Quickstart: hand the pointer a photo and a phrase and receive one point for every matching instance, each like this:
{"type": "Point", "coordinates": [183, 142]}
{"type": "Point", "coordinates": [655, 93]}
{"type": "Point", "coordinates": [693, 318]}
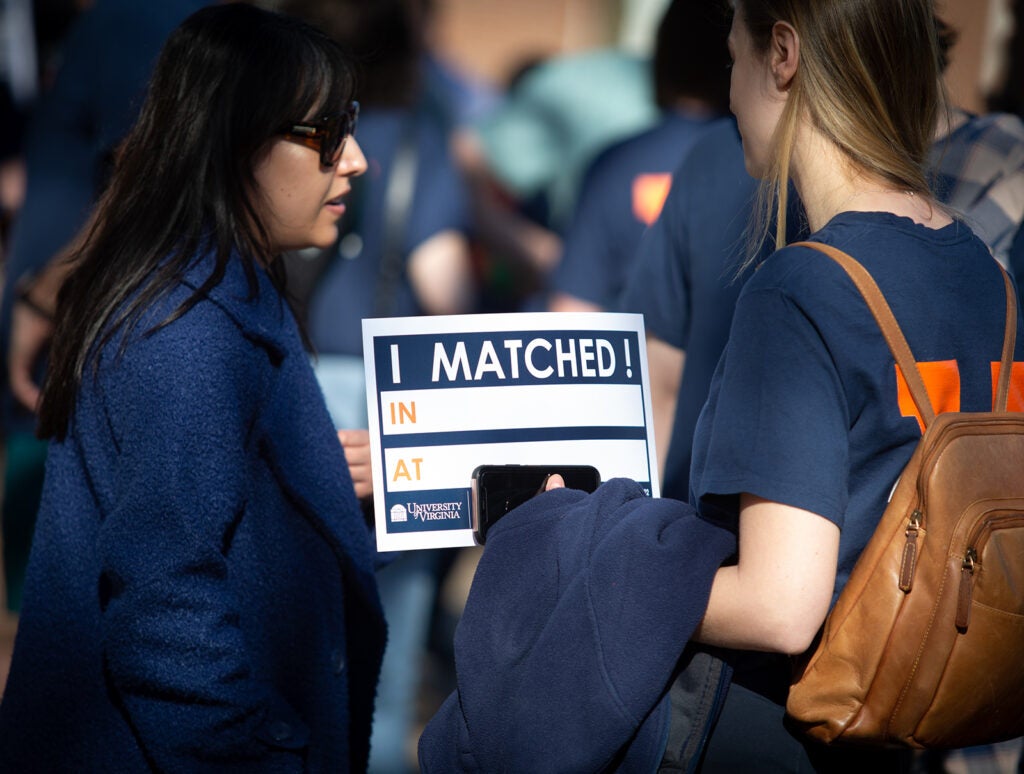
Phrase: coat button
{"type": "Point", "coordinates": [338, 661]}
{"type": "Point", "coordinates": [280, 731]}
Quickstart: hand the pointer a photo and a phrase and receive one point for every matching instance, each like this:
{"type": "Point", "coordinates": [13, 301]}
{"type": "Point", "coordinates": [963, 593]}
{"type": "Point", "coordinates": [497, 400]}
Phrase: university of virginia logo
{"type": "Point", "coordinates": [447, 511]}
{"type": "Point", "coordinates": [431, 510]}
{"type": "Point", "coordinates": [435, 511]}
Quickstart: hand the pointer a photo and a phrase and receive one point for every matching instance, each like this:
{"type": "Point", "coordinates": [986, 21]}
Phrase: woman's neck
{"type": "Point", "coordinates": [828, 184]}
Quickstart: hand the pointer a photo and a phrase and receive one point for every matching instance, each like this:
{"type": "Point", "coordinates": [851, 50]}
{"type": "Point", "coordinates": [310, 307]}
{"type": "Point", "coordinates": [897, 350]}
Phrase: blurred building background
{"type": "Point", "coordinates": [490, 38]}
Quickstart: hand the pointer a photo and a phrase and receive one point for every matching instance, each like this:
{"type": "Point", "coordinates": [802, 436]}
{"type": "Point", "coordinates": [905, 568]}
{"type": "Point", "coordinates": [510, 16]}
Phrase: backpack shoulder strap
{"type": "Point", "coordinates": [886, 321]}
{"type": "Point", "coordinates": [897, 342]}
{"type": "Point", "coordinates": [1009, 343]}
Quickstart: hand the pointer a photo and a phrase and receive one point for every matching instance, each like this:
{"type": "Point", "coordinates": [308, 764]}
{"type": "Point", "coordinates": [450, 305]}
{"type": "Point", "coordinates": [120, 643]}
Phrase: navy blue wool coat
{"type": "Point", "coordinates": [200, 595]}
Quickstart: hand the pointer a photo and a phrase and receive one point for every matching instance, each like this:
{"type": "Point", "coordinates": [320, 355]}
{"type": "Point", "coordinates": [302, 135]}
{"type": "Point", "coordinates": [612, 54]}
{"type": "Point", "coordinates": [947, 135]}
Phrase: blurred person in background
{"type": "Point", "coordinates": [558, 113]}
{"type": "Point", "coordinates": [977, 167]}
{"type": "Point", "coordinates": [625, 187]}
{"type": "Point", "coordinates": [526, 159]}
{"type": "Point", "coordinates": [403, 251]}
{"type": "Point", "coordinates": [101, 74]}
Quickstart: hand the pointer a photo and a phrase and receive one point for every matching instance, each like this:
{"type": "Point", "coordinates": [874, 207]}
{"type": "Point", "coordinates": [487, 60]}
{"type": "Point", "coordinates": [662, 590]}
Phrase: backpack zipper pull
{"type": "Point", "coordinates": [909, 561]}
{"type": "Point", "coordinates": [963, 604]}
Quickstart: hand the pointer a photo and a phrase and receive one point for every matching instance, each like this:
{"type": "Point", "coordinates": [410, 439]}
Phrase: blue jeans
{"type": "Point", "coordinates": [407, 589]}
{"type": "Point", "coordinates": [342, 380]}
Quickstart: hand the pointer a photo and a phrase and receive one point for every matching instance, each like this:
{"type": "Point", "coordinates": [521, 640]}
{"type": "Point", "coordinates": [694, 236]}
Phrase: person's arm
{"type": "Point", "coordinates": [441, 274]}
{"type": "Point", "coordinates": [777, 427]}
{"type": "Point", "coordinates": [590, 272]}
{"type": "Point", "coordinates": [563, 302]}
{"type": "Point", "coordinates": [526, 245]}
{"type": "Point", "coordinates": [658, 287]}
{"type": "Point", "coordinates": [665, 365]}
{"type": "Point", "coordinates": [74, 129]}
{"type": "Point", "coordinates": [777, 595]}
{"type": "Point", "coordinates": [61, 171]}
{"type": "Point", "coordinates": [438, 263]}
{"type": "Point", "coordinates": [32, 315]}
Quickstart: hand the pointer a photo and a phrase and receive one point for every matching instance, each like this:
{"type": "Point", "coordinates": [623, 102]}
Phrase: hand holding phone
{"type": "Point", "coordinates": [497, 489]}
{"type": "Point", "coordinates": [554, 481]}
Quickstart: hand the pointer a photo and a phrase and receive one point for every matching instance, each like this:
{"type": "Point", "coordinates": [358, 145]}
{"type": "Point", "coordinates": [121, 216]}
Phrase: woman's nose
{"type": "Point", "coordinates": [352, 162]}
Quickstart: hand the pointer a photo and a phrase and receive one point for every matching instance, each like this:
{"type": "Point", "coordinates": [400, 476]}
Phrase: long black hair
{"type": "Point", "coordinates": [226, 82]}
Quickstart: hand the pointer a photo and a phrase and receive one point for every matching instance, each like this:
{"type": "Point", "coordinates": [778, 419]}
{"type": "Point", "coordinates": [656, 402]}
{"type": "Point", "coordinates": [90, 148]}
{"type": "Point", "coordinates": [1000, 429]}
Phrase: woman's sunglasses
{"type": "Point", "coordinates": [326, 135]}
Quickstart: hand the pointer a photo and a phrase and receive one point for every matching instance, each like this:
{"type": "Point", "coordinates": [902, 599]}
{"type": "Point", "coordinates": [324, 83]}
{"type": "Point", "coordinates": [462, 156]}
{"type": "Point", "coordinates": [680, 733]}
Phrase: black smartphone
{"type": "Point", "coordinates": [497, 489]}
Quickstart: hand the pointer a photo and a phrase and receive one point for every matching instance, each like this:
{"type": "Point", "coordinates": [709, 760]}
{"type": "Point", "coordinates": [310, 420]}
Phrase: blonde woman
{"type": "Point", "coordinates": [804, 432]}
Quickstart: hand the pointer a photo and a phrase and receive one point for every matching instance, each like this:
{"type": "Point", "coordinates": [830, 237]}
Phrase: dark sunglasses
{"type": "Point", "coordinates": [326, 135]}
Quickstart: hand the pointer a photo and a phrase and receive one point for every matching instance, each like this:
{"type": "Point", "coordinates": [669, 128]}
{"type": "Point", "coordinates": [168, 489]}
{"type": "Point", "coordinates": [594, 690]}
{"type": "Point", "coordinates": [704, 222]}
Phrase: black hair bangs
{"type": "Point", "coordinates": [313, 79]}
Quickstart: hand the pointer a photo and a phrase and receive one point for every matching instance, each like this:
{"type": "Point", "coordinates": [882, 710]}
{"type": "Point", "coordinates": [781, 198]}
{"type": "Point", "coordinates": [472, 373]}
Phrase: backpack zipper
{"type": "Point", "coordinates": [909, 560]}
{"type": "Point", "coordinates": [975, 543]}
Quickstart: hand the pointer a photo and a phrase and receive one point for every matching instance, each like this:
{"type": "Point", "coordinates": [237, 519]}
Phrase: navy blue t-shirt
{"type": "Point", "coordinates": [1017, 261]}
{"type": "Point", "coordinates": [347, 291]}
{"type": "Point", "coordinates": [683, 277]}
{"type": "Point", "coordinates": [804, 406]}
{"type": "Point", "coordinates": [622, 193]}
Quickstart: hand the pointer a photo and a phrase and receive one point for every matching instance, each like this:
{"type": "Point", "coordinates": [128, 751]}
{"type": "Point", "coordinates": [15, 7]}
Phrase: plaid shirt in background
{"type": "Point", "coordinates": [978, 169]}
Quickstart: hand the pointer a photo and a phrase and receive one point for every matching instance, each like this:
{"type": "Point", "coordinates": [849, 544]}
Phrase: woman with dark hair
{"type": "Point", "coordinates": [200, 594]}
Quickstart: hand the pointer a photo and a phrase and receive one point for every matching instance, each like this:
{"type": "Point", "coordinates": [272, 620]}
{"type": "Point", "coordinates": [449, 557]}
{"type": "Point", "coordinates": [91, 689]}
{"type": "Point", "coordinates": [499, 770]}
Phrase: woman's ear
{"type": "Point", "coordinates": [784, 53]}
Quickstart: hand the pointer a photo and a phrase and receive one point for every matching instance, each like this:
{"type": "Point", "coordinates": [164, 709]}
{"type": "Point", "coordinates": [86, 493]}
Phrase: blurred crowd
{"type": "Point", "coordinates": [542, 193]}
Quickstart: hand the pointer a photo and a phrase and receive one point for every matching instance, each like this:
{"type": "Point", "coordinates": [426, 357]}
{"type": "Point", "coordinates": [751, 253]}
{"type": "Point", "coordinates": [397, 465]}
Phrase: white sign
{"type": "Point", "coordinates": [447, 394]}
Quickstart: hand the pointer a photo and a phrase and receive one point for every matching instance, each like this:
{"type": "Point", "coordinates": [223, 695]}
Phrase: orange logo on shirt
{"type": "Point", "coordinates": [942, 381]}
{"type": "Point", "coordinates": [1015, 400]}
{"type": "Point", "coordinates": [649, 194]}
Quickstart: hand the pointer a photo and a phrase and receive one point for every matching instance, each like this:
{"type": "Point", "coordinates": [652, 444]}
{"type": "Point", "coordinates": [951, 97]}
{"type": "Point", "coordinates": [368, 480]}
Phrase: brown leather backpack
{"type": "Point", "coordinates": [925, 645]}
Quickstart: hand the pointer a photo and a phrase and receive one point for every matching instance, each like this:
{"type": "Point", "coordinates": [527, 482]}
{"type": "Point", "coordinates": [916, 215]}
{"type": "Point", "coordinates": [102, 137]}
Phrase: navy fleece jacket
{"type": "Point", "coordinates": [578, 614]}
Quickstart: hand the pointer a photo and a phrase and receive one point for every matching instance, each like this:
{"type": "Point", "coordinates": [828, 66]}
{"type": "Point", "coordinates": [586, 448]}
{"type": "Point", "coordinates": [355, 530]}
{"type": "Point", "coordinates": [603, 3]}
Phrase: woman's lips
{"type": "Point", "coordinates": [337, 204]}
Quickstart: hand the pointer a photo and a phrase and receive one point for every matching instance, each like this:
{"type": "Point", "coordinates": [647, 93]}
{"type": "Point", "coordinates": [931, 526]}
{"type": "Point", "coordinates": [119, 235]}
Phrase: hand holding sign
{"type": "Point", "coordinates": [357, 454]}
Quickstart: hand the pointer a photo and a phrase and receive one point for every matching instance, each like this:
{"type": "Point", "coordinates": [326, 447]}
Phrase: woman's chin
{"type": "Point", "coordinates": [756, 169]}
{"type": "Point", "coordinates": [319, 241]}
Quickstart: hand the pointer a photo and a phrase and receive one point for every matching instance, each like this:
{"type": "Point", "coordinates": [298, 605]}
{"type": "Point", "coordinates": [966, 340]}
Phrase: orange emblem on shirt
{"type": "Point", "coordinates": [649, 194]}
{"type": "Point", "coordinates": [941, 380]}
{"type": "Point", "coordinates": [1015, 400]}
